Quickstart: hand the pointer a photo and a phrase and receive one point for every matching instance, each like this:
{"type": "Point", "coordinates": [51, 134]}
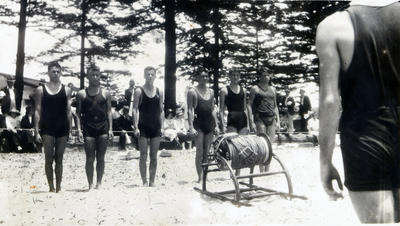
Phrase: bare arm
{"type": "Point", "coordinates": [329, 100]}
{"type": "Point", "coordinates": [79, 97]}
{"type": "Point", "coordinates": [109, 115]}
{"type": "Point", "coordinates": [214, 113]}
{"type": "Point", "coordinates": [246, 111]}
{"type": "Point", "coordinates": [136, 100]}
{"type": "Point", "coordinates": [162, 110]}
{"type": "Point", "coordinates": [222, 107]}
{"type": "Point", "coordinates": [276, 110]}
{"type": "Point", "coordinates": [69, 112]}
{"type": "Point", "coordinates": [191, 105]}
{"type": "Point", "coordinates": [250, 104]}
{"type": "Point", "coordinates": [38, 110]}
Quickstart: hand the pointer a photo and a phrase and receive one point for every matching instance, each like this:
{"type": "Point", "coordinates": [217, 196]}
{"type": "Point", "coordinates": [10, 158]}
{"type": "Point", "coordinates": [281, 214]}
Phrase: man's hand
{"type": "Point", "coordinates": [217, 130]}
{"type": "Point", "coordinates": [38, 138]}
{"type": "Point", "coordinates": [328, 174]}
{"type": "Point", "coordinates": [223, 129]}
{"type": "Point", "coordinates": [80, 136]}
{"type": "Point", "coordinates": [253, 127]}
{"type": "Point", "coordinates": [110, 135]}
{"type": "Point", "coordinates": [192, 131]}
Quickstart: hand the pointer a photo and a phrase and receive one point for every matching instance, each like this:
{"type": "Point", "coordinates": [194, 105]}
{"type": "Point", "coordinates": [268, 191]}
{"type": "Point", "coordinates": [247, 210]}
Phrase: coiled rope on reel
{"type": "Point", "coordinates": [243, 150]}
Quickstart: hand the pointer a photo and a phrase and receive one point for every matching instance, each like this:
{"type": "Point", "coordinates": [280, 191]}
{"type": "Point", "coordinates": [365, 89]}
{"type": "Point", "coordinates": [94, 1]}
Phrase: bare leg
{"type": "Point", "coordinates": [231, 129]}
{"type": "Point", "coordinates": [90, 146]}
{"type": "Point", "coordinates": [59, 155]}
{"type": "Point", "coordinates": [207, 143]}
{"type": "Point", "coordinates": [374, 206]}
{"type": "Point", "coordinates": [101, 147]}
{"type": "Point", "coordinates": [261, 129]}
{"type": "Point", "coordinates": [48, 146]}
{"type": "Point", "coordinates": [154, 145]}
{"type": "Point", "coordinates": [271, 130]}
{"type": "Point", "coordinates": [290, 123]}
{"type": "Point", "coordinates": [242, 131]}
{"type": "Point", "coordinates": [199, 153]}
{"type": "Point", "coordinates": [143, 158]}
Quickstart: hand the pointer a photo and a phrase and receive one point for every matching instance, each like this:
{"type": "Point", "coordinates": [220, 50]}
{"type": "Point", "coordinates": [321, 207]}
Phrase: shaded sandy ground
{"type": "Point", "coordinates": [24, 199]}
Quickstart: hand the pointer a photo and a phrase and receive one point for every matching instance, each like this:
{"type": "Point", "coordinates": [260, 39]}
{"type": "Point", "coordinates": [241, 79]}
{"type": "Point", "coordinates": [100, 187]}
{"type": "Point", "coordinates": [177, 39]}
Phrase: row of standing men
{"type": "Point", "coordinates": [94, 119]}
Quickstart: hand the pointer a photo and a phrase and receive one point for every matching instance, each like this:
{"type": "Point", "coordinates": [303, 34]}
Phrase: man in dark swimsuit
{"type": "Point", "coordinates": [359, 59]}
{"type": "Point", "coordinates": [202, 119]}
{"type": "Point", "coordinates": [94, 115]}
{"type": "Point", "coordinates": [52, 122]}
{"type": "Point", "coordinates": [148, 115]}
{"type": "Point", "coordinates": [233, 98]}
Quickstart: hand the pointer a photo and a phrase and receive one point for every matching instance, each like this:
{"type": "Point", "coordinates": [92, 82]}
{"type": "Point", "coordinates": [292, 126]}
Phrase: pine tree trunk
{"type": "Point", "coordinates": [83, 36]}
{"type": "Point", "coordinates": [19, 71]}
{"type": "Point", "coordinates": [215, 53]}
{"type": "Point", "coordinates": [170, 55]}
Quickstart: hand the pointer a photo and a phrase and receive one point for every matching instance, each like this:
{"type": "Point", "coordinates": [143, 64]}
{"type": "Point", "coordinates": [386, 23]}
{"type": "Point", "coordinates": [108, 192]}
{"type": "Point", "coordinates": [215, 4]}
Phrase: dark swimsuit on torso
{"type": "Point", "coordinates": [94, 115]}
{"type": "Point", "coordinates": [236, 113]}
{"type": "Point", "coordinates": [370, 94]}
{"type": "Point", "coordinates": [264, 106]}
{"type": "Point", "coordinates": [149, 115]}
{"type": "Point", "coordinates": [54, 119]}
{"type": "Point", "coordinates": [204, 120]}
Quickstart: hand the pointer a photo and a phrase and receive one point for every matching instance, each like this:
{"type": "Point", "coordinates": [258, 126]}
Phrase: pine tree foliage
{"type": "Point", "coordinates": [255, 34]}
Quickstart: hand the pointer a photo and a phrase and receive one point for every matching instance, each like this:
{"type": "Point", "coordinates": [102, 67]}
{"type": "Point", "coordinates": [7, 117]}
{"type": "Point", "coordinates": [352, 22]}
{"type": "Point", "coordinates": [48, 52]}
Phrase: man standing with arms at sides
{"type": "Point", "coordinates": [289, 110]}
{"type": "Point", "coordinates": [148, 116]}
{"type": "Point", "coordinates": [129, 94]}
{"type": "Point", "coordinates": [94, 112]}
{"type": "Point", "coordinates": [8, 102]}
{"type": "Point", "coordinates": [359, 57]}
{"type": "Point", "coordinates": [304, 108]}
{"type": "Point", "coordinates": [263, 108]}
{"type": "Point", "coordinates": [233, 97]}
{"type": "Point", "coordinates": [52, 122]}
{"type": "Point", "coordinates": [202, 119]}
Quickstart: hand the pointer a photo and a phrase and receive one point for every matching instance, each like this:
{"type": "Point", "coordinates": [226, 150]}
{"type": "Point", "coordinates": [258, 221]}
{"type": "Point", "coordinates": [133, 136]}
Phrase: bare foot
{"type": "Point", "coordinates": [52, 190]}
{"type": "Point", "coordinates": [151, 184]}
{"type": "Point", "coordinates": [58, 189]}
{"type": "Point", "coordinates": [90, 187]}
{"type": "Point", "coordinates": [98, 186]}
{"type": "Point", "coordinates": [145, 184]}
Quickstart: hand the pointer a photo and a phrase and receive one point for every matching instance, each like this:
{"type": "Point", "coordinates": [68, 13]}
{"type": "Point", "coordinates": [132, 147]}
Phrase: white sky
{"type": "Point", "coordinates": [36, 42]}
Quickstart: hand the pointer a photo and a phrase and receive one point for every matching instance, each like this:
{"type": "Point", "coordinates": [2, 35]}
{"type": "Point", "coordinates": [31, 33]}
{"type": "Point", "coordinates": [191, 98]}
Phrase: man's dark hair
{"type": "Point", "coordinates": [93, 67]}
{"type": "Point", "coordinates": [53, 64]}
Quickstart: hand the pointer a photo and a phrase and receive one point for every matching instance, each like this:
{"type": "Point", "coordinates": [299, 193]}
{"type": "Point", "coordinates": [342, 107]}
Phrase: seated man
{"type": "Point", "coordinates": [10, 139]}
{"type": "Point", "coordinates": [125, 123]}
{"type": "Point", "coordinates": [174, 129]}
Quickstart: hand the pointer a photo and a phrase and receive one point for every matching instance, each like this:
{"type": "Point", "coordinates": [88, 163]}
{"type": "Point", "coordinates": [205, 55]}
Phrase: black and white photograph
{"type": "Point", "coordinates": [199, 112]}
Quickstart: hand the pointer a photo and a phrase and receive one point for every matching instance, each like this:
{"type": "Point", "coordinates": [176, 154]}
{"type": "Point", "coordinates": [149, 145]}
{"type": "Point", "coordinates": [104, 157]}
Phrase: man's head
{"type": "Point", "coordinates": [14, 112]}
{"type": "Point", "coordinates": [131, 83]}
{"type": "Point", "coordinates": [203, 77]}
{"type": "Point", "coordinates": [10, 81]}
{"type": "Point", "coordinates": [54, 71]}
{"type": "Point", "coordinates": [169, 113]}
{"type": "Point", "coordinates": [29, 110]}
{"type": "Point", "coordinates": [125, 110]}
{"type": "Point", "coordinates": [234, 76]}
{"type": "Point", "coordinates": [150, 74]}
{"type": "Point", "coordinates": [302, 92]}
{"type": "Point", "coordinates": [93, 75]}
{"type": "Point", "coordinates": [265, 74]}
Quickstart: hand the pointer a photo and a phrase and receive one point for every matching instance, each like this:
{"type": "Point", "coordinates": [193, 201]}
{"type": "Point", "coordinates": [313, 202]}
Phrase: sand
{"type": "Point", "coordinates": [25, 200]}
